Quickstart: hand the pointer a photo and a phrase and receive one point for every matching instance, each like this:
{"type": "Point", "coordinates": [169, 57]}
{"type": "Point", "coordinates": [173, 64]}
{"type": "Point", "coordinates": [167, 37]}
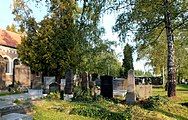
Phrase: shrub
{"type": "Point", "coordinates": [100, 113]}
{"type": "Point", "coordinates": [17, 101]}
{"type": "Point", "coordinates": [80, 95]}
{"type": "Point", "coordinates": [53, 96]}
{"type": "Point", "coordinates": [153, 102]}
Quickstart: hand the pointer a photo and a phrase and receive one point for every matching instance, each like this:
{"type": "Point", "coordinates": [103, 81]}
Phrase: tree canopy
{"type": "Point", "coordinates": [68, 36]}
{"type": "Point", "coordinates": [148, 20]}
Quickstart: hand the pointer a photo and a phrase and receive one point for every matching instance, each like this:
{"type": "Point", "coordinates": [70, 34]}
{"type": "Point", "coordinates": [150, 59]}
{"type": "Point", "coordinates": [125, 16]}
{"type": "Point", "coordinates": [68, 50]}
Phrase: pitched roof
{"type": "Point", "coordinates": [10, 39]}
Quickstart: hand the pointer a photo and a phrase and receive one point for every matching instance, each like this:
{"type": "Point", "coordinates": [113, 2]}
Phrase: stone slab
{"type": "Point", "coordinates": [16, 116]}
{"type": "Point", "coordinates": [119, 93]}
{"type": "Point", "coordinates": [4, 104]}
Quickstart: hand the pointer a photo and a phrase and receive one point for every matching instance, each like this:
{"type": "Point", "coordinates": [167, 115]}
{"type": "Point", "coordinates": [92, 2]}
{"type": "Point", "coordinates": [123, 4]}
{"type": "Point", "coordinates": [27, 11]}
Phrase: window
{"type": "Point", "coordinates": [7, 70]}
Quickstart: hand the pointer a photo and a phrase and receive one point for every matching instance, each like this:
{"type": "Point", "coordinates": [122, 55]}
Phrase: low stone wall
{"type": "Point", "coordinates": [143, 91]}
{"type": "Point", "coordinates": [8, 79]}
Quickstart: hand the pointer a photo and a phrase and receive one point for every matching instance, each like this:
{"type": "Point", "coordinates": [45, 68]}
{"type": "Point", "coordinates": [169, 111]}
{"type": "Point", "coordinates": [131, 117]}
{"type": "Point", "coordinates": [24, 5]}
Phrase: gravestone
{"type": "Point", "coordinates": [131, 96]}
{"type": "Point", "coordinates": [94, 76]}
{"type": "Point", "coordinates": [84, 82]}
{"type": "Point", "coordinates": [54, 87]}
{"type": "Point", "coordinates": [119, 87]}
{"type": "Point", "coordinates": [69, 76]}
{"type": "Point", "coordinates": [62, 85]}
{"type": "Point", "coordinates": [47, 82]}
{"type": "Point", "coordinates": [106, 86]}
{"type": "Point", "coordinates": [143, 91]}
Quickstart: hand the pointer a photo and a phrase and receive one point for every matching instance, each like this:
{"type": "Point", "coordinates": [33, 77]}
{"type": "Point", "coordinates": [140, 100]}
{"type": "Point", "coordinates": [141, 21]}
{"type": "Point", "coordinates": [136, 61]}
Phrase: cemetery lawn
{"type": "Point", "coordinates": [158, 107]}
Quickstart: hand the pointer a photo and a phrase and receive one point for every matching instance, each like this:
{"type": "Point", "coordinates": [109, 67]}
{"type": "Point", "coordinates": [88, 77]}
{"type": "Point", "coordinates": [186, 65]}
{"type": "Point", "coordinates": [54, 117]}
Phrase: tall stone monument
{"type": "Point", "coordinates": [84, 82]}
{"type": "Point", "coordinates": [131, 94]}
{"type": "Point", "coordinates": [69, 76]}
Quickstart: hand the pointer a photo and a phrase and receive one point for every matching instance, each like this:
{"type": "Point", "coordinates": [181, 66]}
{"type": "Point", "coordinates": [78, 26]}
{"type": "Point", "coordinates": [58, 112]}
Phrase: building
{"type": "Point", "coordinates": [14, 71]}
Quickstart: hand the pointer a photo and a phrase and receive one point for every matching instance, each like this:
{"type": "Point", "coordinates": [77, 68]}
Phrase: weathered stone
{"type": "Point", "coordinates": [23, 75]}
{"type": "Point", "coordinates": [4, 104]}
{"type": "Point", "coordinates": [16, 116]}
{"type": "Point", "coordinates": [54, 87]}
{"type": "Point", "coordinates": [47, 82]}
{"type": "Point", "coordinates": [131, 96]}
{"type": "Point", "coordinates": [143, 91]}
{"type": "Point", "coordinates": [119, 87]}
{"type": "Point", "coordinates": [12, 109]}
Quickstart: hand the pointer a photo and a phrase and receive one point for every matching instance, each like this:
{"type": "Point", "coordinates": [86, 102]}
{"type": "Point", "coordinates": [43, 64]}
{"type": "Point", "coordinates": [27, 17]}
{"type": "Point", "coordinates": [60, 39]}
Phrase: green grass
{"type": "Point", "coordinates": [109, 110]}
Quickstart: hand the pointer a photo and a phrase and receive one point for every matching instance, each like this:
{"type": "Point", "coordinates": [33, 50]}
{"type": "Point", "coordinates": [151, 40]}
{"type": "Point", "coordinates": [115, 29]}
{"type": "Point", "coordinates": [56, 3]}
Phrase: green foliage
{"type": "Point", "coordinates": [68, 36]}
{"type": "Point", "coordinates": [82, 96]}
{"type": "Point", "coordinates": [165, 16]}
{"type": "Point", "coordinates": [51, 46]}
{"type": "Point", "coordinates": [154, 102]}
{"type": "Point", "coordinates": [101, 113]}
{"type": "Point", "coordinates": [18, 101]}
{"type": "Point", "coordinates": [53, 96]}
{"type": "Point", "coordinates": [139, 73]}
{"type": "Point", "coordinates": [12, 28]}
{"type": "Point", "coordinates": [167, 110]}
{"type": "Point", "coordinates": [128, 59]}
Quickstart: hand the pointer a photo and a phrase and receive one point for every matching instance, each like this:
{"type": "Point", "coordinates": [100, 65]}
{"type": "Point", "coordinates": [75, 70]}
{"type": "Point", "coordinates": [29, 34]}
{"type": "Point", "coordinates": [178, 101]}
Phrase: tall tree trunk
{"type": "Point", "coordinates": [170, 60]}
{"type": "Point", "coordinates": [69, 81]}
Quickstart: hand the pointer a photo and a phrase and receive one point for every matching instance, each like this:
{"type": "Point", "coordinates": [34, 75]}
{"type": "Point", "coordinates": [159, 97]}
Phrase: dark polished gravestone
{"type": "Point", "coordinates": [54, 87]}
{"type": "Point", "coordinates": [107, 86]}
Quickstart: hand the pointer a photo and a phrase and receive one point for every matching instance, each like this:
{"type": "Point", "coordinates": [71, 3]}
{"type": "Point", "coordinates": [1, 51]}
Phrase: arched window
{"type": "Point", "coordinates": [7, 70]}
{"type": "Point", "coordinates": [16, 62]}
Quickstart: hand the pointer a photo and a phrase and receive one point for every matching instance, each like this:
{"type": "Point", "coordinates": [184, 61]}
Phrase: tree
{"type": "Point", "coordinates": [128, 59]}
{"type": "Point", "coordinates": [140, 73]}
{"type": "Point", "coordinates": [12, 28]}
{"type": "Point", "coordinates": [163, 15]}
{"type": "Point", "coordinates": [60, 41]}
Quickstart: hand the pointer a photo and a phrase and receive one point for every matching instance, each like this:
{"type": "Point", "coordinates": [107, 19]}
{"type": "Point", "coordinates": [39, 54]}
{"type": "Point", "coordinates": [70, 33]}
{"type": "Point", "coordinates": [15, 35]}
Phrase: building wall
{"type": "Point", "coordinates": [23, 75]}
{"type": "Point", "coordinates": [11, 55]}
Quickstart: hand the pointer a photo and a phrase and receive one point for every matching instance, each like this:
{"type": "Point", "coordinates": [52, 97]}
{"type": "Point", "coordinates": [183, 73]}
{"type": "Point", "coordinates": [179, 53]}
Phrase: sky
{"type": "Point", "coordinates": [108, 21]}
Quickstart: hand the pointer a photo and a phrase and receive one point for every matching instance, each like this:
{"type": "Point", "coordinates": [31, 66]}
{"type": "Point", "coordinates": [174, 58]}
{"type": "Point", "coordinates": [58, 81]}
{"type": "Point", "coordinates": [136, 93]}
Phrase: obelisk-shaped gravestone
{"type": "Point", "coordinates": [69, 76]}
{"type": "Point", "coordinates": [131, 95]}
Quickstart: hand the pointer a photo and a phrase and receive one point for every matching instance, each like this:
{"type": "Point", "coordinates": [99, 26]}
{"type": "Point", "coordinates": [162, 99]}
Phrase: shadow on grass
{"type": "Point", "coordinates": [182, 87]}
{"type": "Point", "coordinates": [184, 104]}
{"type": "Point", "coordinates": [178, 117]}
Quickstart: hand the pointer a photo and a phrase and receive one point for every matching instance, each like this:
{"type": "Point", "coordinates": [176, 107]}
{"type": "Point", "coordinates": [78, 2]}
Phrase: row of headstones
{"type": "Point", "coordinates": [107, 87]}
{"type": "Point", "coordinates": [133, 91]}
{"type": "Point", "coordinates": [85, 80]}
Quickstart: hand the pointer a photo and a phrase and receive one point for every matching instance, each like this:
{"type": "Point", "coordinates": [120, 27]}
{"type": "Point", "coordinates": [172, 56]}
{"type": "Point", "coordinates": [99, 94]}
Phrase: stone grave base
{"type": "Point", "coordinates": [130, 97]}
{"type": "Point", "coordinates": [68, 97]}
